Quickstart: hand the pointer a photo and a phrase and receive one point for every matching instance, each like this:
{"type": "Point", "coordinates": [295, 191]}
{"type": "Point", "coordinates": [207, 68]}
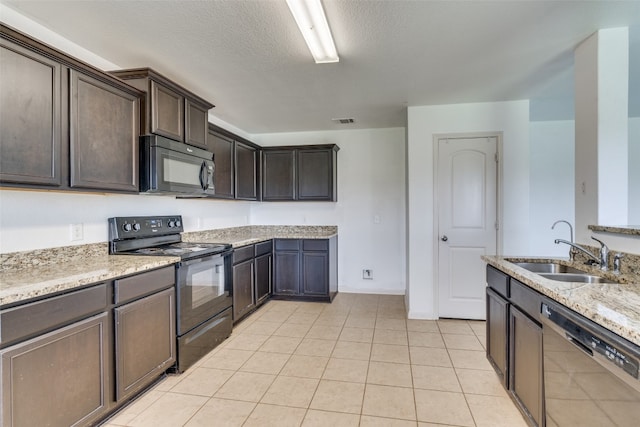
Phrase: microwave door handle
{"type": "Point", "coordinates": [204, 174]}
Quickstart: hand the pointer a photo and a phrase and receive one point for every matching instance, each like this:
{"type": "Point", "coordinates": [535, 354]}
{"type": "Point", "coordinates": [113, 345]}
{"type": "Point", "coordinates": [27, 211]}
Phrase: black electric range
{"type": "Point", "coordinates": [204, 302]}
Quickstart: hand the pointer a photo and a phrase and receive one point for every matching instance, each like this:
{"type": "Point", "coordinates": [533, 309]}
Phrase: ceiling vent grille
{"type": "Point", "coordinates": [343, 121]}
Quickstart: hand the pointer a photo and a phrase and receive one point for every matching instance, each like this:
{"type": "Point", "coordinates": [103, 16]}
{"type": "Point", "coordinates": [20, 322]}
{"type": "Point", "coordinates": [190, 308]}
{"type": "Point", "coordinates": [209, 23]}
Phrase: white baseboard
{"type": "Point", "coordinates": [421, 315]}
{"type": "Point", "coordinates": [349, 290]}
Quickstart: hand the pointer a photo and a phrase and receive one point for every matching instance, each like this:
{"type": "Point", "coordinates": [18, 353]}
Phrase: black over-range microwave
{"type": "Point", "coordinates": [171, 167]}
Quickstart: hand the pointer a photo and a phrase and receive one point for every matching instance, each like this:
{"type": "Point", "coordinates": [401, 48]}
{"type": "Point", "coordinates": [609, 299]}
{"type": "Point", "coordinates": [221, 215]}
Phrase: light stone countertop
{"type": "Point", "coordinates": [248, 235]}
{"type": "Point", "coordinates": [614, 306]}
{"type": "Point", "coordinates": [32, 274]}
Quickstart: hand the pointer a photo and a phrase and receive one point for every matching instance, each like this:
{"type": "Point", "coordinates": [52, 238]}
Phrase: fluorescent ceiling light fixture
{"type": "Point", "coordinates": [312, 21]}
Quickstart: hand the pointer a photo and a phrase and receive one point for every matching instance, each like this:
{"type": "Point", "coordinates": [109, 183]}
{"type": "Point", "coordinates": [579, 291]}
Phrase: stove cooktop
{"type": "Point", "coordinates": [182, 249]}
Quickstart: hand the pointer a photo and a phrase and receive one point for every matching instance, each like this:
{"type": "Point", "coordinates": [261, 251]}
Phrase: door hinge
{"type": "Point", "coordinates": [495, 157]}
{"type": "Point", "coordinates": [497, 225]}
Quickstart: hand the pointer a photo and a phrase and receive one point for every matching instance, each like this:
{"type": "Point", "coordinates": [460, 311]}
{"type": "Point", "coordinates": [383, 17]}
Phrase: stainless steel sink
{"type": "Point", "coordinates": [562, 273]}
{"type": "Point", "coordinates": [548, 267]}
{"type": "Point", "coordinates": [572, 277]}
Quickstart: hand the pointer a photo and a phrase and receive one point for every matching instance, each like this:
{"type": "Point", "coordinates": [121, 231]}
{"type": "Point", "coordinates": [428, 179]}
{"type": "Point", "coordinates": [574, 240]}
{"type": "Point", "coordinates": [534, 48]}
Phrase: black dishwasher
{"type": "Point", "coordinates": [590, 373]}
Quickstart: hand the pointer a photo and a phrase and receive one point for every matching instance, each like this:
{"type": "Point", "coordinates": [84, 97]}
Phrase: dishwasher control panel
{"type": "Point", "coordinates": [592, 343]}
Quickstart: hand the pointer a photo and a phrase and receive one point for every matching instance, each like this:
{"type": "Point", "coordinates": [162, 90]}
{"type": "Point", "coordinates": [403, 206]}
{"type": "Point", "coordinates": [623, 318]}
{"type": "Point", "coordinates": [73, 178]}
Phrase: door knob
{"type": "Point", "coordinates": [444, 238]}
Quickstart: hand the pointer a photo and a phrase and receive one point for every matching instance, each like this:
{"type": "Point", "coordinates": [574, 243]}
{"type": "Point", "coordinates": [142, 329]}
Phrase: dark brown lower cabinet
{"type": "Point", "coordinates": [306, 268]}
{"type": "Point", "coordinates": [59, 378]}
{"type": "Point", "coordinates": [252, 267]}
{"type": "Point", "coordinates": [263, 277]}
{"type": "Point", "coordinates": [286, 268]}
{"type": "Point", "coordinates": [525, 365]}
{"type": "Point", "coordinates": [497, 334]}
{"type": "Point", "coordinates": [72, 359]}
{"type": "Point", "coordinates": [514, 342]}
{"type": "Point", "coordinates": [243, 284]}
{"type": "Point", "coordinates": [145, 341]}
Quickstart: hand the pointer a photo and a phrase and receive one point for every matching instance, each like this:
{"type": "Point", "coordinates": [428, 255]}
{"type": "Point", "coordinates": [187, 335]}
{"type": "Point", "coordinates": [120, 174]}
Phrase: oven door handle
{"type": "Point", "coordinates": [207, 258]}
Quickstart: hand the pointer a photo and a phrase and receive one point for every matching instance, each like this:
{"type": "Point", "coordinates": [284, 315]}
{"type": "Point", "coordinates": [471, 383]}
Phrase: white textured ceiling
{"type": "Point", "coordinates": [248, 58]}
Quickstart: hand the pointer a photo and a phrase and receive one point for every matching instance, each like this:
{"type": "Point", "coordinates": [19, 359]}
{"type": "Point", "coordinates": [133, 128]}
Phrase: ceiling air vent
{"type": "Point", "coordinates": [344, 121]}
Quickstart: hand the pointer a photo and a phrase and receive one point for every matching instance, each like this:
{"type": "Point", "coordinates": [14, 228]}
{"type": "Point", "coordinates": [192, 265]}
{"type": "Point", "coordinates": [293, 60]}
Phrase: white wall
{"type": "Point", "coordinates": [35, 220]}
{"type": "Point", "coordinates": [370, 185]}
{"type": "Point", "coordinates": [510, 118]}
{"type": "Point", "coordinates": [634, 170]}
{"type": "Point", "coordinates": [551, 190]}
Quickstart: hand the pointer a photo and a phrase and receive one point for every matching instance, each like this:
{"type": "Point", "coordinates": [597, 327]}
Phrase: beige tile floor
{"type": "Point", "coordinates": [355, 362]}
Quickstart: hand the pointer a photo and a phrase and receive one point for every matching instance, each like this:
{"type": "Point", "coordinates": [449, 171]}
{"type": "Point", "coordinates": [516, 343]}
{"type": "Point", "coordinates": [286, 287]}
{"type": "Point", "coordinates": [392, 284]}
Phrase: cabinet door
{"type": "Point", "coordinates": [196, 124]}
{"type": "Point", "coordinates": [497, 334]}
{"type": "Point", "coordinates": [57, 379]}
{"type": "Point", "coordinates": [263, 277]}
{"type": "Point", "coordinates": [30, 117]}
{"type": "Point", "coordinates": [315, 273]}
{"type": "Point", "coordinates": [278, 179]}
{"type": "Point", "coordinates": [223, 174]}
{"type": "Point", "coordinates": [315, 175]}
{"type": "Point", "coordinates": [287, 273]}
{"type": "Point", "coordinates": [243, 285]}
{"type": "Point", "coordinates": [246, 172]}
{"type": "Point", "coordinates": [145, 341]}
{"type": "Point", "coordinates": [104, 128]}
{"type": "Point", "coordinates": [525, 365]}
{"type": "Point", "coordinates": [167, 112]}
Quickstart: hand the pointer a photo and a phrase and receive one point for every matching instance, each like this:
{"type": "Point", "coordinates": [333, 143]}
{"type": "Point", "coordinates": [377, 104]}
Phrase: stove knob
{"type": "Point", "coordinates": [172, 223]}
{"type": "Point", "coordinates": [127, 227]}
{"type": "Point", "coordinates": [178, 223]}
{"type": "Point", "coordinates": [136, 226]}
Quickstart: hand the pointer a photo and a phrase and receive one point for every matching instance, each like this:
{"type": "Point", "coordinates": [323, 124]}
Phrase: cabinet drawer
{"type": "Point", "coordinates": [287, 244]}
{"type": "Point", "coordinates": [263, 248]}
{"type": "Point", "coordinates": [242, 254]}
{"type": "Point", "coordinates": [526, 298]}
{"type": "Point", "coordinates": [315, 245]}
{"type": "Point", "coordinates": [40, 316]}
{"type": "Point", "coordinates": [143, 284]}
{"type": "Point", "coordinates": [498, 281]}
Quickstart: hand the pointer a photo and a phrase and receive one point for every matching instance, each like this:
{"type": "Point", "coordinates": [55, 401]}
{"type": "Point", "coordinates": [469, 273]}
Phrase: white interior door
{"type": "Point", "coordinates": [467, 223]}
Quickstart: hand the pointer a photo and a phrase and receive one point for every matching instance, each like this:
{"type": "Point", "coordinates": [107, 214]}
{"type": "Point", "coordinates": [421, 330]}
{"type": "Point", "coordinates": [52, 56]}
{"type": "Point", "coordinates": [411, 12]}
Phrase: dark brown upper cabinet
{"type": "Point", "coordinates": [304, 173]}
{"type": "Point", "coordinates": [104, 135]}
{"type": "Point", "coordinates": [246, 173]}
{"type": "Point", "coordinates": [224, 160]}
{"type": "Point", "coordinates": [171, 110]}
{"type": "Point", "coordinates": [31, 116]}
{"type": "Point", "coordinates": [65, 124]}
{"type": "Point", "coordinates": [236, 165]}
{"type": "Point", "coordinates": [278, 175]}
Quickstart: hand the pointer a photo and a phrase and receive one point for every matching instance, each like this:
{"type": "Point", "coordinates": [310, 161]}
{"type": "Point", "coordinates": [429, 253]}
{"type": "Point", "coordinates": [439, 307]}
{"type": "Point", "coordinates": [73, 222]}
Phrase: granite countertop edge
{"type": "Point", "coordinates": [614, 306]}
{"type": "Point", "coordinates": [31, 283]}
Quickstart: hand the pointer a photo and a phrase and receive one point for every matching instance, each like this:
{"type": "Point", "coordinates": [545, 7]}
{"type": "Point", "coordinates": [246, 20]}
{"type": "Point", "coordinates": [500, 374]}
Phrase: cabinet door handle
{"type": "Point", "coordinates": [444, 238]}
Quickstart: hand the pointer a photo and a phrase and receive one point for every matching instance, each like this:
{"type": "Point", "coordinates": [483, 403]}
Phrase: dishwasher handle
{"type": "Point", "coordinates": [579, 344]}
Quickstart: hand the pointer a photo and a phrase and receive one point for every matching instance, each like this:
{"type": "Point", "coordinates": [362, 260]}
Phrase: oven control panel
{"type": "Point", "coordinates": [144, 226]}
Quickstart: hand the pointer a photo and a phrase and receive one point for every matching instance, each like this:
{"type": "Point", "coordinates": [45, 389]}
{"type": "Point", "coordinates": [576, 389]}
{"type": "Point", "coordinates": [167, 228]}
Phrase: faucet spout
{"type": "Point", "coordinates": [571, 250]}
{"type": "Point", "coordinates": [566, 222]}
{"type": "Point", "coordinates": [580, 248]}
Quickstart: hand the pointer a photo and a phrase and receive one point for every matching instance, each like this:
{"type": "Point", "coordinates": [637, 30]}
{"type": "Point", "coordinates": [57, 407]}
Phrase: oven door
{"type": "Point", "coordinates": [204, 289]}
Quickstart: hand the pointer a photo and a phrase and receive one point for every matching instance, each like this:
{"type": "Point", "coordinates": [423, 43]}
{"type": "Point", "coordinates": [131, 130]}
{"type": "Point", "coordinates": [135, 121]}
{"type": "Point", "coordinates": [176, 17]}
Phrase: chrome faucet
{"type": "Point", "coordinates": [604, 255]}
{"type": "Point", "coordinates": [571, 251]}
{"type": "Point", "coordinates": [602, 260]}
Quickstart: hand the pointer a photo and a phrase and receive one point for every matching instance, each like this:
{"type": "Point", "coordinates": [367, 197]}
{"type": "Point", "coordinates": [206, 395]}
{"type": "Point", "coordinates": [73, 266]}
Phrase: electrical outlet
{"type": "Point", "coordinates": [367, 274]}
{"type": "Point", "coordinates": [77, 232]}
